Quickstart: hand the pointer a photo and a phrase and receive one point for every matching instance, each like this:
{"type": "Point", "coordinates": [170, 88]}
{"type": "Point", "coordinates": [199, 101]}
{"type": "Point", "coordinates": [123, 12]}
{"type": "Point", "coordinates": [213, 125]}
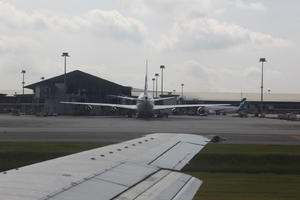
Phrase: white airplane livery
{"type": "Point", "coordinates": [241, 109]}
{"type": "Point", "coordinates": [145, 104]}
{"type": "Point", "coordinates": [145, 168]}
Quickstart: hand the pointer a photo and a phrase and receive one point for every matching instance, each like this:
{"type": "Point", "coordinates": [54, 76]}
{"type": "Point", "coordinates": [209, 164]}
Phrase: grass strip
{"type": "Point", "coordinates": [236, 158]}
{"type": "Point", "coordinates": [220, 186]}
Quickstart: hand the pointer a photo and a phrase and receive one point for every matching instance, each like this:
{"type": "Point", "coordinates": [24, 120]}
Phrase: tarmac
{"type": "Point", "coordinates": [115, 129]}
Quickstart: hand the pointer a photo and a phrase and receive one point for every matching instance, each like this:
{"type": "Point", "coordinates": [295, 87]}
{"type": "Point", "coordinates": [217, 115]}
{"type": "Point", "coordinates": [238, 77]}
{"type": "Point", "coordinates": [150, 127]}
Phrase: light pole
{"type": "Point", "coordinates": [262, 60]}
{"type": "Point", "coordinates": [182, 90]}
{"type": "Point", "coordinates": [162, 67]}
{"type": "Point", "coordinates": [65, 55]}
{"type": "Point", "coordinates": [156, 75]}
{"type": "Point", "coordinates": [23, 82]}
{"type": "Point", "coordinates": [153, 88]}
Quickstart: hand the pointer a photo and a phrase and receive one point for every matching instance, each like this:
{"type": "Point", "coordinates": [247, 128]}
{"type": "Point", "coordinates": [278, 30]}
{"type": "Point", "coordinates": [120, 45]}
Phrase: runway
{"type": "Point", "coordinates": [116, 129]}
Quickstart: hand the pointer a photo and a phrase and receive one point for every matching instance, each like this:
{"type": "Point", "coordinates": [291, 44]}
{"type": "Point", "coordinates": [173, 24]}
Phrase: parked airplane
{"type": "Point", "coordinates": [143, 168]}
{"type": "Point", "coordinates": [145, 103]}
{"type": "Point", "coordinates": [241, 109]}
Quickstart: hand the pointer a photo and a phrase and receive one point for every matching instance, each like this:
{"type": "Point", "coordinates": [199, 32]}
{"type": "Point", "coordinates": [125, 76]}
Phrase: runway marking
{"type": "Point", "coordinates": [296, 137]}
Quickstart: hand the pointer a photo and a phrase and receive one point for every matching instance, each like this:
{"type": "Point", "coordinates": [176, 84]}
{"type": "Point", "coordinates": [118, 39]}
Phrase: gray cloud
{"type": "Point", "coordinates": [15, 44]}
{"type": "Point", "coordinates": [171, 7]}
{"type": "Point", "coordinates": [249, 5]}
{"type": "Point", "coordinates": [183, 35]}
{"type": "Point", "coordinates": [206, 33]}
{"type": "Point", "coordinates": [110, 24]}
{"type": "Point", "coordinates": [230, 79]}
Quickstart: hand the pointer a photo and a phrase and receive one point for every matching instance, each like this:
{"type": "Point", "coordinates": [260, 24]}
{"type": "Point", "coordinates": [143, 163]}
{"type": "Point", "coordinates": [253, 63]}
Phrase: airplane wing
{"type": "Point", "coordinates": [161, 107]}
{"type": "Point", "coordinates": [122, 97]}
{"type": "Point", "coordinates": [220, 108]}
{"type": "Point", "coordinates": [140, 169]}
{"type": "Point", "coordinates": [165, 98]}
{"type": "Point", "coordinates": [130, 107]}
{"type": "Point", "coordinates": [135, 99]}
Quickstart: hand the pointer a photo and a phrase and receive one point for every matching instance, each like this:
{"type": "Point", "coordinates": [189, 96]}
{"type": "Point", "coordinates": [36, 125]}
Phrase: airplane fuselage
{"type": "Point", "coordinates": [145, 105]}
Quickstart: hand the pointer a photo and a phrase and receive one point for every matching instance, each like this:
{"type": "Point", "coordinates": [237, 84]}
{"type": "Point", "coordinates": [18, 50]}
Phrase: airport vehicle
{"type": "Point", "coordinates": [145, 104]}
{"type": "Point", "coordinates": [143, 168]}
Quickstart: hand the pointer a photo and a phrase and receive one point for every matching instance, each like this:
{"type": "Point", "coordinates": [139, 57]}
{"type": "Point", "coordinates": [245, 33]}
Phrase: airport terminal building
{"type": "Point", "coordinates": [76, 86]}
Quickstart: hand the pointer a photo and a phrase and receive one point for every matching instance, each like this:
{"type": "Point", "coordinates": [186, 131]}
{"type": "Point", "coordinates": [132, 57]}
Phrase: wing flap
{"type": "Point", "coordinates": [128, 174]}
{"type": "Point", "coordinates": [165, 184]}
{"type": "Point", "coordinates": [178, 156]}
{"type": "Point", "coordinates": [166, 148]}
{"type": "Point", "coordinates": [93, 189]}
{"type": "Point", "coordinates": [189, 190]}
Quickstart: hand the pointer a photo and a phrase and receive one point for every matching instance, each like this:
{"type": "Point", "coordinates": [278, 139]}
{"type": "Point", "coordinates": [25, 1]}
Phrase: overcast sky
{"type": "Point", "coordinates": [209, 45]}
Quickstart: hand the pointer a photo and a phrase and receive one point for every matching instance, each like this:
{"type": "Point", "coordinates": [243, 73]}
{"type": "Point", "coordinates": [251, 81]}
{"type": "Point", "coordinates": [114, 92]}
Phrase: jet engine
{"type": "Point", "coordinates": [114, 110]}
{"type": "Point", "coordinates": [202, 111]}
{"type": "Point", "coordinates": [174, 111]}
{"type": "Point", "coordinates": [89, 108]}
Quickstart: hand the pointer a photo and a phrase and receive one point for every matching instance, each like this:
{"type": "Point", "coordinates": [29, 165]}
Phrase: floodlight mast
{"type": "Point", "coordinates": [162, 67]}
{"type": "Point", "coordinates": [262, 60]}
{"type": "Point", "coordinates": [156, 75]}
{"type": "Point", "coordinates": [153, 88]}
{"type": "Point", "coordinates": [65, 55]}
{"type": "Point", "coordinates": [182, 90]}
{"type": "Point", "coordinates": [23, 80]}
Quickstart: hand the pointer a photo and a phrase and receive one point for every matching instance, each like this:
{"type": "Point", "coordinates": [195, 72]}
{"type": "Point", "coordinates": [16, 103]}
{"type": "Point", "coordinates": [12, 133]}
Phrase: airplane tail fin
{"type": "Point", "coordinates": [242, 104]}
{"type": "Point", "coordinates": [146, 79]}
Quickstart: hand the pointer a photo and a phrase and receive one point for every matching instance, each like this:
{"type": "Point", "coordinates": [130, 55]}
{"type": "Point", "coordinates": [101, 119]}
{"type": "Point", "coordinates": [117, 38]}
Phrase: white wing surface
{"type": "Point", "coordinates": [123, 97]}
{"type": "Point", "coordinates": [161, 107]}
{"type": "Point", "coordinates": [140, 169]}
{"type": "Point", "coordinates": [130, 107]}
{"type": "Point", "coordinates": [162, 99]}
